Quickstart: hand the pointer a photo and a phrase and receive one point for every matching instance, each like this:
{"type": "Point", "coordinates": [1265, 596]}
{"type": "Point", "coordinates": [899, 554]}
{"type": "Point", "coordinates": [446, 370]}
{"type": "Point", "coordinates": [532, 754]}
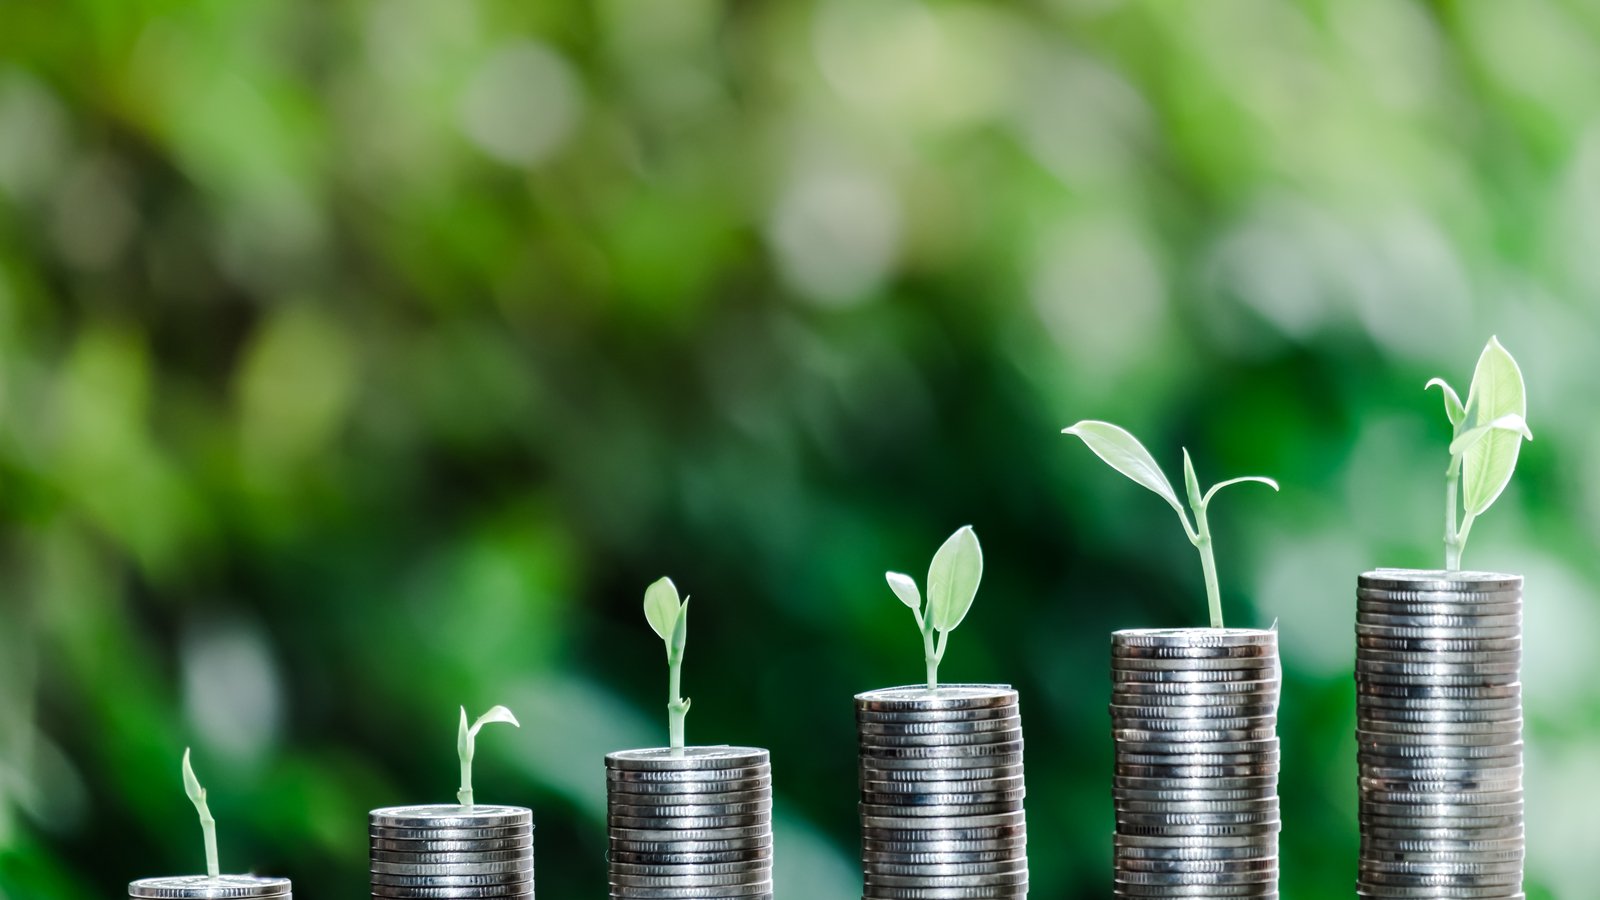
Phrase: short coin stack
{"type": "Point", "coordinates": [454, 852]}
{"type": "Point", "coordinates": [942, 793]}
{"type": "Point", "coordinates": [1194, 720]}
{"type": "Point", "coordinates": [1439, 724]}
{"type": "Point", "coordinates": [223, 887]}
{"type": "Point", "coordinates": [690, 823]}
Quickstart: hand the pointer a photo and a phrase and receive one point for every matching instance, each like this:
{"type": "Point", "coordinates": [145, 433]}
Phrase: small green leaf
{"type": "Point", "coordinates": [496, 714]}
{"type": "Point", "coordinates": [1260, 479]}
{"type": "Point", "coordinates": [1472, 436]}
{"type": "Point", "coordinates": [1191, 482]}
{"type": "Point", "coordinates": [661, 607]}
{"type": "Point", "coordinates": [1497, 392]}
{"type": "Point", "coordinates": [680, 631]}
{"type": "Point", "coordinates": [953, 579]}
{"type": "Point", "coordinates": [191, 784]}
{"type": "Point", "coordinates": [1123, 452]}
{"type": "Point", "coordinates": [905, 589]}
{"type": "Point", "coordinates": [1452, 402]}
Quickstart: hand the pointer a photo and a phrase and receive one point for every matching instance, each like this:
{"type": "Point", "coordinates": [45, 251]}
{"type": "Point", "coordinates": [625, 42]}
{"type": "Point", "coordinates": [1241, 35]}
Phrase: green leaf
{"type": "Point", "coordinates": [661, 606]}
{"type": "Point", "coordinates": [1452, 402]}
{"type": "Point", "coordinates": [1123, 452]}
{"type": "Point", "coordinates": [1488, 463]}
{"type": "Point", "coordinates": [1191, 482]}
{"type": "Point", "coordinates": [496, 714]}
{"type": "Point", "coordinates": [953, 579]}
{"type": "Point", "coordinates": [464, 737]}
{"type": "Point", "coordinates": [680, 631]}
{"type": "Point", "coordinates": [905, 589]}
{"type": "Point", "coordinates": [1260, 479]}
{"type": "Point", "coordinates": [191, 784]}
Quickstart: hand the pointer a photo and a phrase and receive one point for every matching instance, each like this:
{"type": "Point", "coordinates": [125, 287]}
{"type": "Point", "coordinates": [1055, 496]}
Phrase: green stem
{"type": "Point", "coordinates": [208, 826]}
{"type": "Point", "coordinates": [1454, 540]}
{"type": "Point", "coordinates": [677, 709]}
{"type": "Point", "coordinates": [1208, 563]}
{"type": "Point", "coordinates": [464, 795]}
{"type": "Point", "coordinates": [931, 657]}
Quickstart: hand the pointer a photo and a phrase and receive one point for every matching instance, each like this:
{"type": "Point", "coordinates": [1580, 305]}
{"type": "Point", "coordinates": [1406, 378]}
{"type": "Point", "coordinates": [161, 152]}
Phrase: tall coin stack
{"type": "Point", "coordinates": [1194, 720]}
{"type": "Point", "coordinates": [1439, 724]}
{"type": "Point", "coordinates": [942, 793]}
{"type": "Point", "coordinates": [690, 823]}
{"type": "Point", "coordinates": [446, 851]}
{"type": "Point", "coordinates": [224, 887]}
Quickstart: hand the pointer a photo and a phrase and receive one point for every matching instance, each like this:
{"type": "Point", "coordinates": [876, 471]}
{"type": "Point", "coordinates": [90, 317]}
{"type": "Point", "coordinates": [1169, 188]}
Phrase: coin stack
{"type": "Point", "coordinates": [446, 851]}
{"type": "Point", "coordinates": [1194, 719]}
{"type": "Point", "coordinates": [1439, 724]}
{"type": "Point", "coordinates": [690, 823]}
{"type": "Point", "coordinates": [942, 792]}
{"type": "Point", "coordinates": [223, 887]}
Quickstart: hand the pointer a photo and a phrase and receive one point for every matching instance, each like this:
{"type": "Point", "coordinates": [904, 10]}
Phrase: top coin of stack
{"type": "Point", "coordinates": [1194, 719]}
{"type": "Point", "coordinates": [223, 887]}
{"type": "Point", "coordinates": [942, 793]}
{"type": "Point", "coordinates": [445, 851]}
{"type": "Point", "coordinates": [1439, 727]}
{"type": "Point", "coordinates": [690, 823]}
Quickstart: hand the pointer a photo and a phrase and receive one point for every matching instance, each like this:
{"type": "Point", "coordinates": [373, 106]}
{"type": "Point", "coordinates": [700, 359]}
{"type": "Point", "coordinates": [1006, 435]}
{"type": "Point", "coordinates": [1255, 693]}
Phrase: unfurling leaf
{"type": "Point", "coordinates": [191, 784]}
{"type": "Point", "coordinates": [1123, 452]}
{"type": "Point", "coordinates": [661, 605]}
{"type": "Point", "coordinates": [905, 589]}
{"type": "Point", "coordinates": [1260, 479]}
{"type": "Point", "coordinates": [953, 579]}
{"type": "Point", "coordinates": [680, 632]}
{"type": "Point", "coordinates": [1497, 392]}
{"type": "Point", "coordinates": [495, 714]}
{"type": "Point", "coordinates": [1191, 482]}
{"type": "Point", "coordinates": [1452, 401]}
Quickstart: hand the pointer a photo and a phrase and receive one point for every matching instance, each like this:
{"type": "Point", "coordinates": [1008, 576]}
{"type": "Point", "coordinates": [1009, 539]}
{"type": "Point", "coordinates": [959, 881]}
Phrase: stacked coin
{"type": "Point", "coordinates": [223, 887]}
{"type": "Point", "coordinates": [1194, 719]}
{"type": "Point", "coordinates": [690, 823]}
{"type": "Point", "coordinates": [448, 851]}
{"type": "Point", "coordinates": [1439, 724]}
{"type": "Point", "coordinates": [942, 792]}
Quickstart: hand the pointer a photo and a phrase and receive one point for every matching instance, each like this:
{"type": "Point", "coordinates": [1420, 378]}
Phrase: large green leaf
{"type": "Point", "coordinates": [1123, 452]}
{"type": "Point", "coordinates": [1497, 392]}
{"type": "Point", "coordinates": [661, 607]}
{"type": "Point", "coordinates": [953, 579]}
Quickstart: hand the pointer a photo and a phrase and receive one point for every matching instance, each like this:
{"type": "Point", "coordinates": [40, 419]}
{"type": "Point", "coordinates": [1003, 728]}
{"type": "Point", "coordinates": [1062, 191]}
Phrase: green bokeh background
{"type": "Point", "coordinates": [361, 358]}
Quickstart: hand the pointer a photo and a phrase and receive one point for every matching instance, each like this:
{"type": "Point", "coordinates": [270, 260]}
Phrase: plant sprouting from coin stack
{"type": "Point", "coordinates": [1487, 437]}
{"type": "Point", "coordinates": [953, 580]}
{"type": "Point", "coordinates": [467, 746]}
{"type": "Point", "coordinates": [208, 825]}
{"type": "Point", "coordinates": [669, 618]}
{"type": "Point", "coordinates": [1123, 452]}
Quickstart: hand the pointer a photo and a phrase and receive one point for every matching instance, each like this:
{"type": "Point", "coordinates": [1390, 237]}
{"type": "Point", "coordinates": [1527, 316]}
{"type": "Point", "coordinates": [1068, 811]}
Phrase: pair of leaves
{"type": "Point", "coordinates": [668, 616]}
{"type": "Point", "coordinates": [1123, 452]}
{"type": "Point", "coordinates": [467, 737]}
{"type": "Point", "coordinates": [1489, 428]}
{"type": "Point", "coordinates": [953, 579]}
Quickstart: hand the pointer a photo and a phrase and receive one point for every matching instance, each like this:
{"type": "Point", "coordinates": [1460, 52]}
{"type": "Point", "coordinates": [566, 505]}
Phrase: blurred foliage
{"type": "Point", "coordinates": [364, 358]}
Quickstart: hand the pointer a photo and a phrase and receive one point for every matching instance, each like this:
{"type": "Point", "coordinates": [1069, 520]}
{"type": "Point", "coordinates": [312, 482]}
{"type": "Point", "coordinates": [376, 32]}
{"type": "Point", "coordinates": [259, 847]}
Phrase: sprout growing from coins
{"type": "Point", "coordinates": [953, 578]}
{"type": "Point", "coordinates": [1488, 431]}
{"type": "Point", "coordinates": [208, 825]}
{"type": "Point", "coordinates": [467, 745]}
{"type": "Point", "coordinates": [1123, 452]}
{"type": "Point", "coordinates": [669, 618]}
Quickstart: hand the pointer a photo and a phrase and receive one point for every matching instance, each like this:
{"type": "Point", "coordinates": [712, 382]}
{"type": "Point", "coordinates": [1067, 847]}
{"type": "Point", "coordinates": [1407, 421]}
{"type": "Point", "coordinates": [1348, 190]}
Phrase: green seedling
{"type": "Point", "coordinates": [669, 617]}
{"type": "Point", "coordinates": [467, 745]}
{"type": "Point", "coordinates": [1486, 438]}
{"type": "Point", "coordinates": [1123, 452]}
{"type": "Point", "coordinates": [208, 825]}
{"type": "Point", "coordinates": [953, 580]}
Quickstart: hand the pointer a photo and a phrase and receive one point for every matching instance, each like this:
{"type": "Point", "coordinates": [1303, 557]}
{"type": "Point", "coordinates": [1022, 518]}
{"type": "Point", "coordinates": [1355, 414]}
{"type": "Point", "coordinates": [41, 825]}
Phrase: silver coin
{"type": "Point", "coordinates": [949, 696]}
{"type": "Point", "coordinates": [688, 758]}
{"type": "Point", "coordinates": [450, 816]}
{"type": "Point", "coordinates": [223, 887]}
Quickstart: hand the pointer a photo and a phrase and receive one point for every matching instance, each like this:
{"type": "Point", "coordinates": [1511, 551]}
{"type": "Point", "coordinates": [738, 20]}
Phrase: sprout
{"type": "Point", "coordinates": [669, 617]}
{"type": "Point", "coordinates": [952, 585]}
{"type": "Point", "coordinates": [1487, 437]}
{"type": "Point", "coordinates": [1123, 452]}
{"type": "Point", "coordinates": [467, 745]}
{"type": "Point", "coordinates": [208, 825]}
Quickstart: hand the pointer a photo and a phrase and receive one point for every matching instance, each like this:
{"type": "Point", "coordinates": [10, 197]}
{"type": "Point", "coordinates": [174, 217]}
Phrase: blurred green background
{"type": "Point", "coordinates": [361, 358]}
